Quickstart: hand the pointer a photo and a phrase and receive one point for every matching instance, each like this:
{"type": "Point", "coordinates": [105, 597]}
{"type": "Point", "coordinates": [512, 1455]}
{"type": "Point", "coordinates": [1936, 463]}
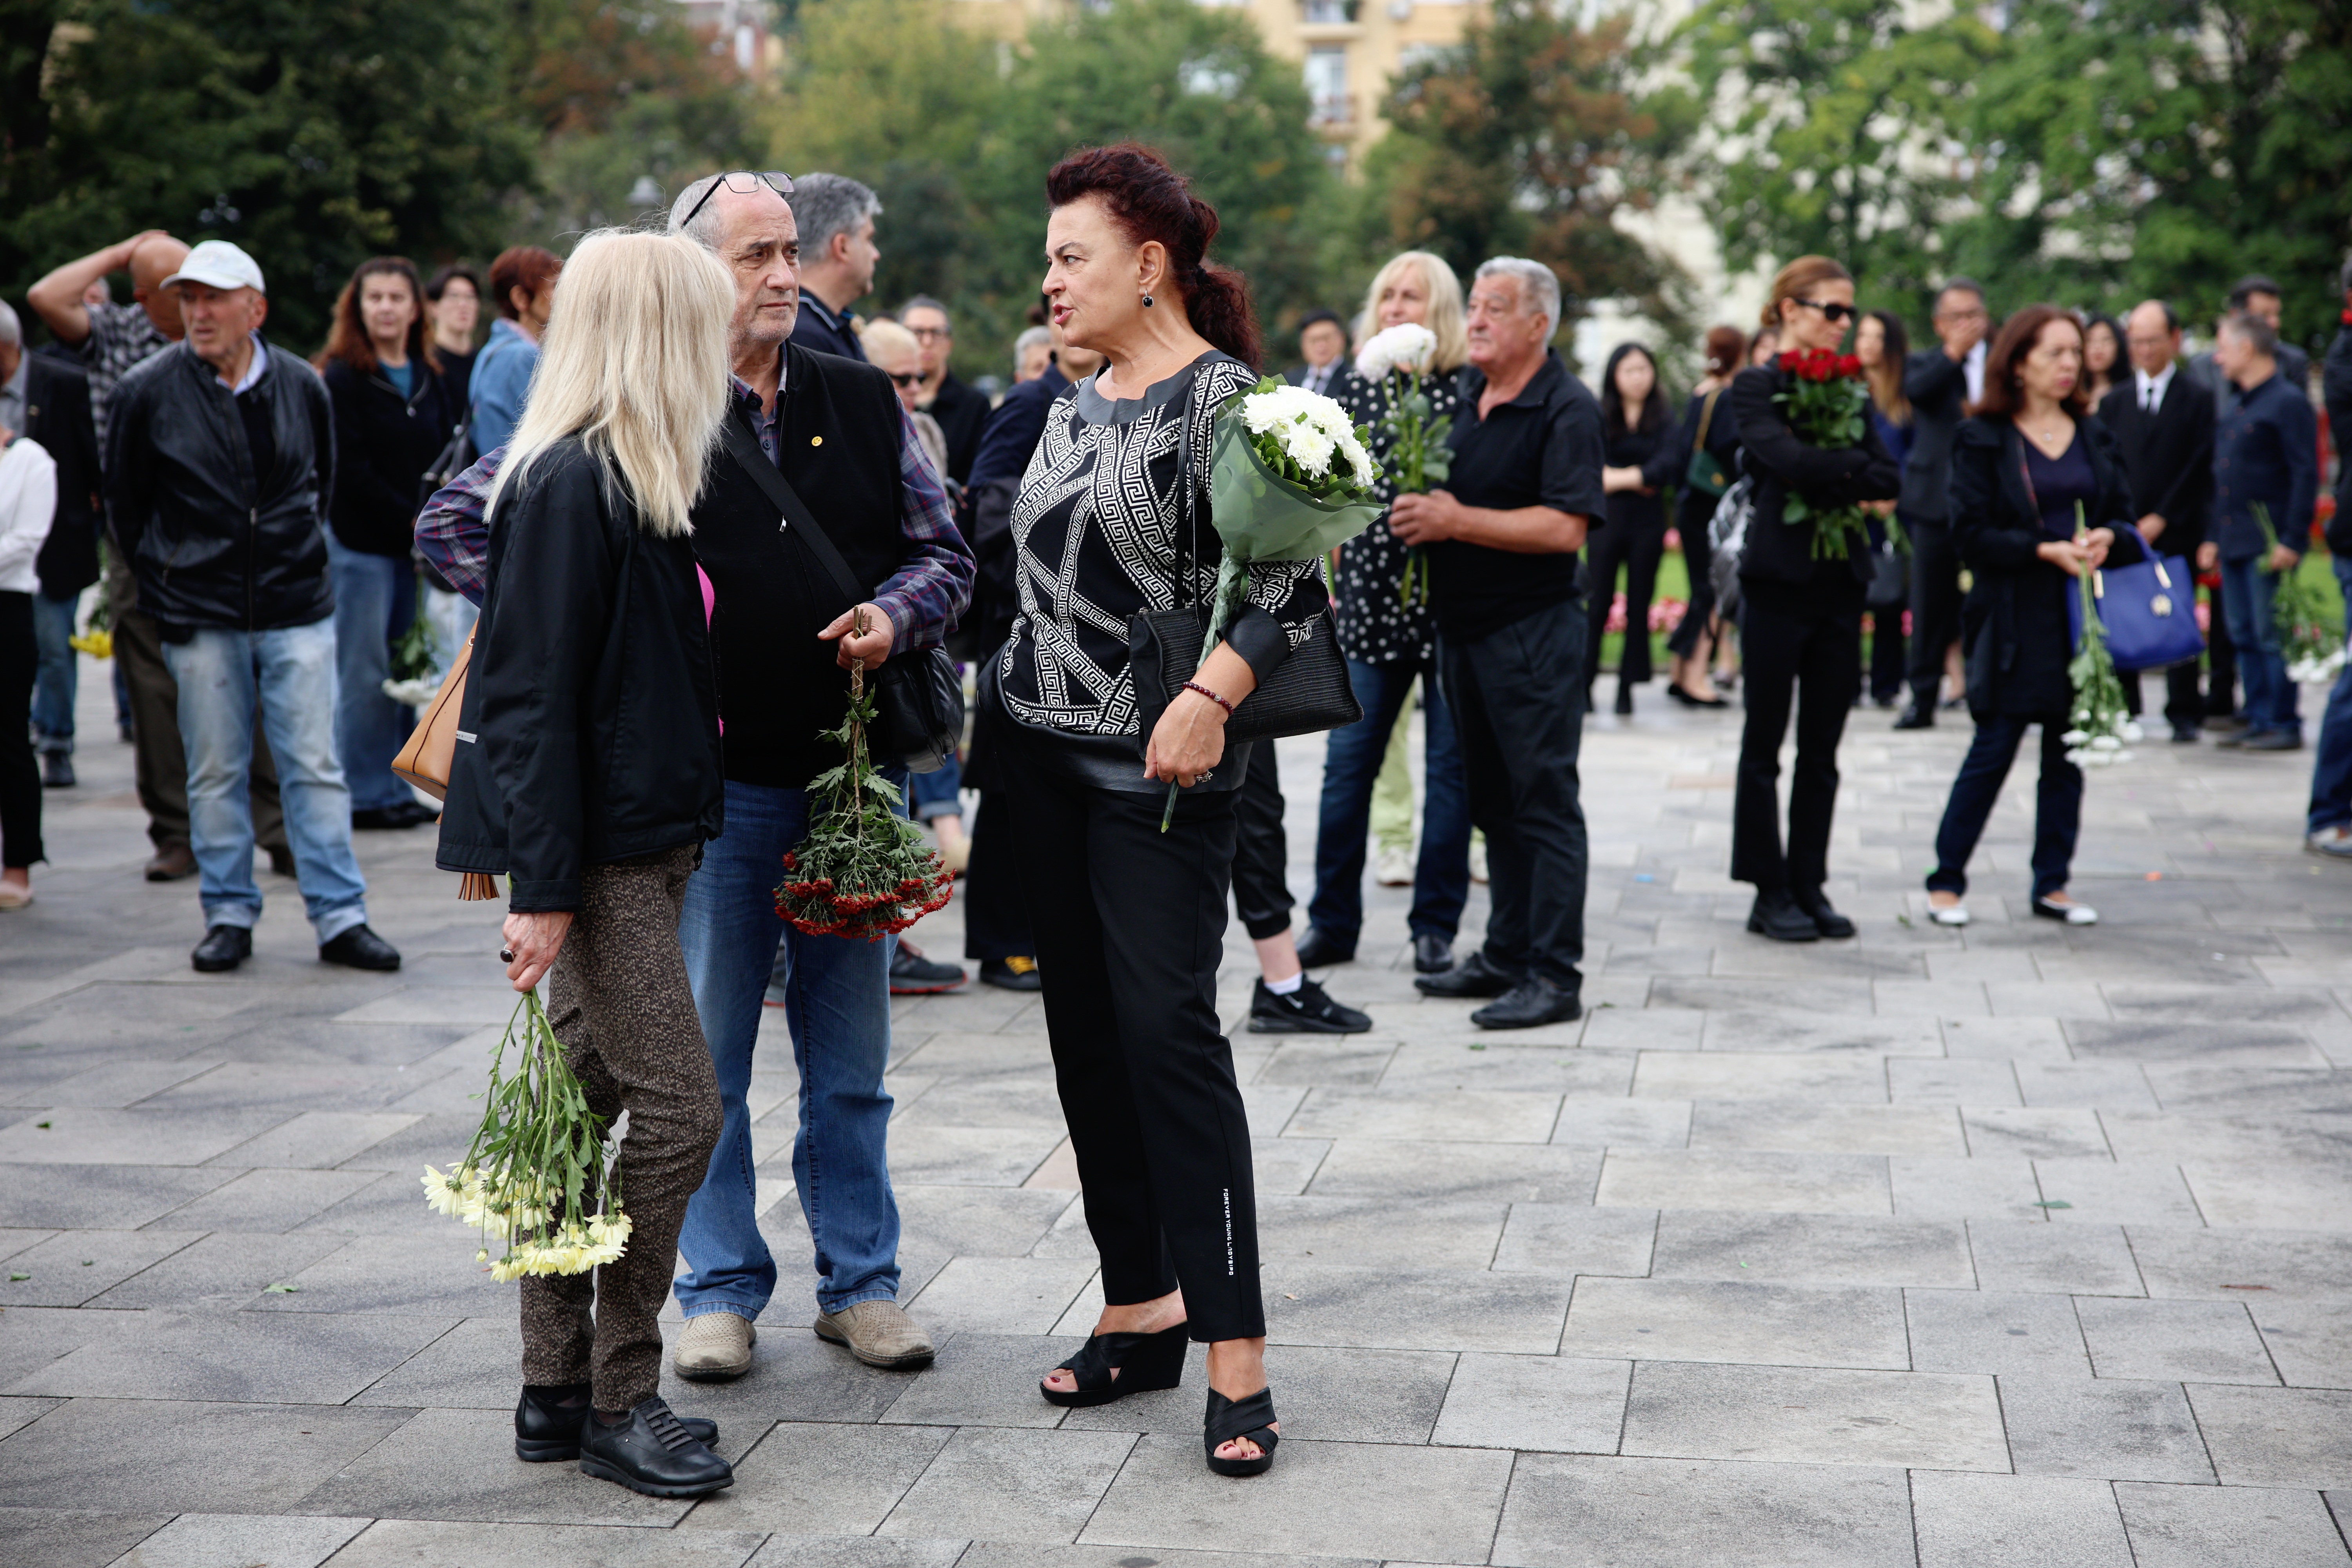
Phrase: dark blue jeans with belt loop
{"type": "Point", "coordinates": [1351, 762]}
{"type": "Point", "coordinates": [2057, 804]}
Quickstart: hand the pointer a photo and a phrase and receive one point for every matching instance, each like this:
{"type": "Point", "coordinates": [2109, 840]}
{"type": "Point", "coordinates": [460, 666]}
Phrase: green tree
{"type": "Point", "coordinates": [313, 135]}
{"type": "Point", "coordinates": [1529, 140]}
{"type": "Point", "coordinates": [1831, 129]}
{"type": "Point", "coordinates": [2137, 148]}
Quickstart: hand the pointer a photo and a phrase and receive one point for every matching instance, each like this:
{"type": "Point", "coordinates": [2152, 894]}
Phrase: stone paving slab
{"type": "Point", "coordinates": [2018, 1244]}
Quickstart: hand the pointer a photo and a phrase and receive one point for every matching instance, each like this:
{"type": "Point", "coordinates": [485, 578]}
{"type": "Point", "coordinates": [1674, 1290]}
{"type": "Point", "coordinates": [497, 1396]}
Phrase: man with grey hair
{"type": "Point", "coordinates": [841, 456]}
{"type": "Point", "coordinates": [2266, 491]}
{"type": "Point", "coordinates": [1501, 539]}
{"type": "Point", "coordinates": [49, 400]}
{"type": "Point", "coordinates": [837, 257]}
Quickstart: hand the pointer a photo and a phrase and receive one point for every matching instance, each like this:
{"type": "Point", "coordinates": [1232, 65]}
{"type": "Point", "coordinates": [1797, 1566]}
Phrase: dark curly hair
{"type": "Point", "coordinates": [1149, 200]}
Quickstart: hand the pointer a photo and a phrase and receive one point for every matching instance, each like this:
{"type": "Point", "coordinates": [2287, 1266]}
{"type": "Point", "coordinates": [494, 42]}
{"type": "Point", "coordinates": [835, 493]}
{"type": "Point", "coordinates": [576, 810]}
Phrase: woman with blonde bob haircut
{"type": "Point", "coordinates": [588, 774]}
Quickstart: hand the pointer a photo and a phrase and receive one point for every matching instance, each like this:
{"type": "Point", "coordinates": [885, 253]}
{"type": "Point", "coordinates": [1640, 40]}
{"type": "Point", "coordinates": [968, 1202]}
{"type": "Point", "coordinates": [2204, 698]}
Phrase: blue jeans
{"type": "Point", "coordinates": [54, 686]}
{"type": "Point", "coordinates": [288, 675]}
{"type": "Point", "coordinates": [2331, 770]}
{"type": "Point", "coordinates": [2057, 804]}
{"type": "Point", "coordinates": [837, 1007]}
{"type": "Point", "coordinates": [936, 793]}
{"type": "Point", "coordinates": [375, 600]}
{"type": "Point", "coordinates": [2246, 594]}
{"type": "Point", "coordinates": [1351, 762]}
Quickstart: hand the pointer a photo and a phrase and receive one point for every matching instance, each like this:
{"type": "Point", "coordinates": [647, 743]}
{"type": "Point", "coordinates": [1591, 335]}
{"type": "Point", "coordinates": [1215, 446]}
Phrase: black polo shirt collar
{"type": "Point", "coordinates": [1535, 394]}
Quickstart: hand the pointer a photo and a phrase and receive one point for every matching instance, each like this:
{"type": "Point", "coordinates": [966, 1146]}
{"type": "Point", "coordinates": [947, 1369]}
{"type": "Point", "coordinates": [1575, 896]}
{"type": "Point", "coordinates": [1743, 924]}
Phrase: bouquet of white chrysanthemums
{"type": "Point", "coordinates": [2102, 722]}
{"type": "Point", "coordinates": [539, 1175]}
{"type": "Point", "coordinates": [2308, 641]}
{"type": "Point", "coordinates": [1397, 359]}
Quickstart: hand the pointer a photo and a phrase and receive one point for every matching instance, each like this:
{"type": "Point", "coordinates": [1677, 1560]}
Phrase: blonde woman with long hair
{"type": "Point", "coordinates": [1391, 641]}
{"type": "Point", "coordinates": [588, 774]}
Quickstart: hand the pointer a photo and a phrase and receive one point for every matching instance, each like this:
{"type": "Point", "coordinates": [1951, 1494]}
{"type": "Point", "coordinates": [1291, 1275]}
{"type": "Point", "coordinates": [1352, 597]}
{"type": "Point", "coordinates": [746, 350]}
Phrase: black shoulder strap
{"type": "Point", "coordinates": [745, 450]}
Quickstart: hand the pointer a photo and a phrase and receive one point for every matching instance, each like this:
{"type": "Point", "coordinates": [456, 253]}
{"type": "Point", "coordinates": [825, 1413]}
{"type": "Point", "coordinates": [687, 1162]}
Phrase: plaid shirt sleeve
{"type": "Point", "coordinates": [453, 532]}
{"type": "Point", "coordinates": [927, 595]}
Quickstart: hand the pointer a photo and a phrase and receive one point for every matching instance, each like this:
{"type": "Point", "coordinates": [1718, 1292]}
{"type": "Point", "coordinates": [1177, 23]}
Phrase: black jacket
{"type": "Point", "coordinates": [386, 442]}
{"type": "Point", "coordinates": [1779, 462]}
{"type": "Point", "coordinates": [2014, 624]}
{"type": "Point", "coordinates": [2336, 392]}
{"type": "Point", "coordinates": [962, 414]}
{"type": "Point", "coordinates": [589, 728]}
{"type": "Point", "coordinates": [1938, 387]}
{"type": "Point", "coordinates": [2167, 456]}
{"type": "Point", "coordinates": [57, 414]}
{"type": "Point", "coordinates": [211, 543]}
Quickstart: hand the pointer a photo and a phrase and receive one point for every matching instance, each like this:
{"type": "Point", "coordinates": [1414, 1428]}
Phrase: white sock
{"type": "Point", "coordinates": [1288, 987]}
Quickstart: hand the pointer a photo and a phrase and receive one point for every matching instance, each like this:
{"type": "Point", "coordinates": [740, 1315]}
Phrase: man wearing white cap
{"type": "Point", "coordinates": [220, 454]}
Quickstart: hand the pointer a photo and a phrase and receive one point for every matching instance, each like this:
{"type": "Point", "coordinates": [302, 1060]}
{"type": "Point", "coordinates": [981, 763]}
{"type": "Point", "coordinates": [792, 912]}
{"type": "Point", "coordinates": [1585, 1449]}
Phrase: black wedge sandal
{"type": "Point", "coordinates": [1144, 1362]}
{"type": "Point", "coordinates": [1229, 1420]}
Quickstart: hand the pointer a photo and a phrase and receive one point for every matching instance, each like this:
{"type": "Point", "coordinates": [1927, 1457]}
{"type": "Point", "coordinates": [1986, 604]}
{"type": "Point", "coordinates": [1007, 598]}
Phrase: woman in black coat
{"type": "Point", "coordinates": [1707, 427]}
{"type": "Point", "coordinates": [1799, 617]}
{"type": "Point", "coordinates": [1642, 458]}
{"type": "Point", "coordinates": [2027, 470]}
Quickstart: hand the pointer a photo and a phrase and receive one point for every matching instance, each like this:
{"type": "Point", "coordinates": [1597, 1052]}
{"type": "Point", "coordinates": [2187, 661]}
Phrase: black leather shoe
{"type": "Point", "coordinates": [1776, 915]}
{"type": "Point", "coordinates": [222, 948]}
{"type": "Point", "coordinates": [1624, 701]}
{"type": "Point", "coordinates": [1826, 920]}
{"type": "Point", "coordinates": [547, 1428]}
{"type": "Point", "coordinates": [1915, 717]}
{"type": "Point", "coordinates": [2187, 735]}
{"type": "Point", "coordinates": [1011, 974]}
{"type": "Point", "coordinates": [417, 812]}
{"type": "Point", "coordinates": [1473, 976]}
{"type": "Point", "coordinates": [2274, 741]}
{"type": "Point", "coordinates": [359, 948]}
{"type": "Point", "coordinates": [1432, 954]}
{"type": "Point", "coordinates": [380, 818]}
{"type": "Point", "coordinates": [281, 861]}
{"type": "Point", "coordinates": [57, 771]}
{"type": "Point", "coordinates": [1531, 1001]}
{"type": "Point", "coordinates": [652, 1452]}
{"type": "Point", "coordinates": [1317, 950]}
{"type": "Point", "coordinates": [1309, 1010]}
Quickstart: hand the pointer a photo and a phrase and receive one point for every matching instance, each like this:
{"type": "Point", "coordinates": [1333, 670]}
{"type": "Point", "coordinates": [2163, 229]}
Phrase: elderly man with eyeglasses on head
{"type": "Point", "coordinates": [836, 432]}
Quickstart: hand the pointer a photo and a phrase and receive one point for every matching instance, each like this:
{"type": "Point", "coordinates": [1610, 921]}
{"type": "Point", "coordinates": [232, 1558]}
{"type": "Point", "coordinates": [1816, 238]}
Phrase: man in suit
{"type": "Point", "coordinates": [2165, 423]}
{"type": "Point", "coordinates": [2329, 828]}
{"type": "Point", "coordinates": [1323, 339]}
{"type": "Point", "coordinates": [49, 400]}
{"type": "Point", "coordinates": [1942, 382]}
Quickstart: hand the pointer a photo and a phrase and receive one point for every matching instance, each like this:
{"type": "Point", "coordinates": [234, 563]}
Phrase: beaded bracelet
{"type": "Point", "coordinates": [1196, 686]}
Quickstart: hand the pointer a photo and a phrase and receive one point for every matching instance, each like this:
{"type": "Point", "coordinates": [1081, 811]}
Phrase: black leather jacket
{"type": "Point", "coordinates": [211, 543]}
{"type": "Point", "coordinates": [589, 732]}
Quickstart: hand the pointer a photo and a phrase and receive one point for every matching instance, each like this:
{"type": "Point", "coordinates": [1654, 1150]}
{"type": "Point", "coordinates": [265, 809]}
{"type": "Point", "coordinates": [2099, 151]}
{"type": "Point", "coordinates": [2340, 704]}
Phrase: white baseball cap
{"type": "Point", "coordinates": [220, 265]}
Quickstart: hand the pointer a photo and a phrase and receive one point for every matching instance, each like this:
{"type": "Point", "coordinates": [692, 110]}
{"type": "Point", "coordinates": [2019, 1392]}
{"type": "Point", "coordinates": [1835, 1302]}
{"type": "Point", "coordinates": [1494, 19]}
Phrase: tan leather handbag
{"type": "Point", "coordinates": [425, 761]}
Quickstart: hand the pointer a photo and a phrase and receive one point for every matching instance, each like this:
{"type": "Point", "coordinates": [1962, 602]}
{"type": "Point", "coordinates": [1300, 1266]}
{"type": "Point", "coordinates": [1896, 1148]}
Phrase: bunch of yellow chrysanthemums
{"type": "Point", "coordinates": [540, 1173]}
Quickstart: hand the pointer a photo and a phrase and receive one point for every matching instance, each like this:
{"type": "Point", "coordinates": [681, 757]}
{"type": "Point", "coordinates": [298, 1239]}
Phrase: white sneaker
{"type": "Point", "coordinates": [2332, 841]}
{"type": "Point", "coordinates": [1394, 867]}
{"type": "Point", "coordinates": [714, 1347]}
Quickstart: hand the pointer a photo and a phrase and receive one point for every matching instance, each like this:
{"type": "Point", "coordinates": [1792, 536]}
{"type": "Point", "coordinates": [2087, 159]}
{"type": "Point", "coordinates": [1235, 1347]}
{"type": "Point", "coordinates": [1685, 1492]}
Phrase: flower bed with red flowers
{"type": "Point", "coordinates": [863, 871]}
{"type": "Point", "coordinates": [1828, 405]}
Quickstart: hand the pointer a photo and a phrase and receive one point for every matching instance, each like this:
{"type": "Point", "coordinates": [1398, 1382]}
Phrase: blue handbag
{"type": "Point", "coordinates": [2148, 609]}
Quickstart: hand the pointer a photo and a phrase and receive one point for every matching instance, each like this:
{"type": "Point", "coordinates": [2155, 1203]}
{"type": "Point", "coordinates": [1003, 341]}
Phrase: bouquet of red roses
{"type": "Point", "coordinates": [1827, 404]}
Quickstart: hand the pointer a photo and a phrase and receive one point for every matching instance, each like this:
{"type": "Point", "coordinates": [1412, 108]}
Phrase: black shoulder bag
{"type": "Point", "coordinates": [918, 695]}
{"type": "Point", "coordinates": [1307, 692]}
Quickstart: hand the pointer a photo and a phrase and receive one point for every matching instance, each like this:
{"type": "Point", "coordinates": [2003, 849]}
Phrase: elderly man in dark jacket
{"type": "Point", "coordinates": [220, 453]}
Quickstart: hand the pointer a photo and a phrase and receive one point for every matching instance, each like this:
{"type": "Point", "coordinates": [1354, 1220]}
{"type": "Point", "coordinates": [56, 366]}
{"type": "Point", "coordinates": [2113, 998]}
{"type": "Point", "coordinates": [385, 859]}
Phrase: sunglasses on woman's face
{"type": "Point", "coordinates": [1831, 311]}
{"type": "Point", "coordinates": [907, 378]}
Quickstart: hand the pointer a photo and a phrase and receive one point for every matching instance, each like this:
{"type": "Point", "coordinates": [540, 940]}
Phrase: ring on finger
{"type": "Point", "coordinates": [506, 955]}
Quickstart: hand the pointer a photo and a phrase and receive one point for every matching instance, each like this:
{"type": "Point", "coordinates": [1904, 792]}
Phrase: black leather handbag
{"type": "Point", "coordinates": [918, 695]}
{"type": "Point", "coordinates": [1308, 691]}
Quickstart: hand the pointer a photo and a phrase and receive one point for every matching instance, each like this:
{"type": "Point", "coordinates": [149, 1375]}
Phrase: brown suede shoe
{"type": "Point", "coordinates": [172, 863]}
{"type": "Point", "coordinates": [878, 1333]}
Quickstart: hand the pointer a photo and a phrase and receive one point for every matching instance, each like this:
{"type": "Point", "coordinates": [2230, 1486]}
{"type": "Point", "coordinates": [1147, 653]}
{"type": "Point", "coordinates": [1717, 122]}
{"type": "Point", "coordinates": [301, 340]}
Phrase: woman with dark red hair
{"type": "Point", "coordinates": [1130, 919]}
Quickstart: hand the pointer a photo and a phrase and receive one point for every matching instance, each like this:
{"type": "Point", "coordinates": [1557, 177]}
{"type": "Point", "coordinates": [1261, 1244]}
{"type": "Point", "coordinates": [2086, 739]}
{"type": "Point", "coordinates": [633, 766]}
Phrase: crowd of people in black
{"type": "Point", "coordinates": [588, 498]}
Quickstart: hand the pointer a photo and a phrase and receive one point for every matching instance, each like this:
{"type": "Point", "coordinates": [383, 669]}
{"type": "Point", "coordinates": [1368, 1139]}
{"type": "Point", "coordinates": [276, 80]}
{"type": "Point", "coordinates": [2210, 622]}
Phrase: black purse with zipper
{"type": "Point", "coordinates": [918, 695]}
{"type": "Point", "coordinates": [1308, 691]}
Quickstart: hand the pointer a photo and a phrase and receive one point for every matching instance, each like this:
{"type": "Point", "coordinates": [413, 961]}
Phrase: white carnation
{"type": "Point", "coordinates": [1405, 346]}
{"type": "Point", "coordinates": [1309, 449]}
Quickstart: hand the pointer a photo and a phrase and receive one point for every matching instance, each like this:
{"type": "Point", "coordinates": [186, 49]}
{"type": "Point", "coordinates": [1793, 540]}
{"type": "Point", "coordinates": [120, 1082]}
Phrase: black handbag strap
{"type": "Point", "coordinates": [745, 449]}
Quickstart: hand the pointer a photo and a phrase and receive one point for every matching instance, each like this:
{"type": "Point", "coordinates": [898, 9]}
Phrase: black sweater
{"type": "Point", "coordinates": [385, 442]}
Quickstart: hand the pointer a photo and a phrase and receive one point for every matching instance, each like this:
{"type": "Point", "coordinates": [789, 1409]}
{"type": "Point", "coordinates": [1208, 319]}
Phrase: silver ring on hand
{"type": "Point", "coordinates": [1206, 774]}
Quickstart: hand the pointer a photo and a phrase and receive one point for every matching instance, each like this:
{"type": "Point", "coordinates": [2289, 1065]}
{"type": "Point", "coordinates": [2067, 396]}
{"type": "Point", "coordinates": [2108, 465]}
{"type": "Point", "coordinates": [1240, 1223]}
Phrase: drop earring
{"type": "Point", "coordinates": [1147, 301]}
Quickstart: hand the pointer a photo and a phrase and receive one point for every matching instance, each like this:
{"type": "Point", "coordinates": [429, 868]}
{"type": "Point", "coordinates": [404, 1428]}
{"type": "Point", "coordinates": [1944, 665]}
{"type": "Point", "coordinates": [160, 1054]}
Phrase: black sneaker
{"type": "Point", "coordinates": [652, 1452]}
{"type": "Point", "coordinates": [359, 948]}
{"type": "Point", "coordinates": [1309, 1010]}
{"type": "Point", "coordinates": [1016, 973]}
{"type": "Point", "coordinates": [912, 974]}
{"type": "Point", "coordinates": [57, 771]}
{"type": "Point", "coordinates": [548, 1423]}
{"type": "Point", "coordinates": [222, 948]}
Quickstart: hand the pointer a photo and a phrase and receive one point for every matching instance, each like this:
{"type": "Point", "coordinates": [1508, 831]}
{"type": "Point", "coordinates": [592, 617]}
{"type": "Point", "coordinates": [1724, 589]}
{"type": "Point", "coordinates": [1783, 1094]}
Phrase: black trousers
{"type": "Point", "coordinates": [2221, 665]}
{"type": "Point", "coordinates": [1261, 850]}
{"type": "Point", "coordinates": [1935, 606]}
{"type": "Point", "coordinates": [1698, 556]}
{"type": "Point", "coordinates": [1130, 926]}
{"type": "Point", "coordinates": [1799, 645]}
{"type": "Point", "coordinates": [995, 915]}
{"type": "Point", "coordinates": [1517, 695]}
{"type": "Point", "coordinates": [2183, 703]}
{"type": "Point", "coordinates": [20, 779]}
{"type": "Point", "coordinates": [1638, 550]}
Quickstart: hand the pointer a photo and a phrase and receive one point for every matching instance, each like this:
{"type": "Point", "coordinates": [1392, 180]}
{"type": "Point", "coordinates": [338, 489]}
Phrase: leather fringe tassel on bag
{"type": "Point", "coordinates": [478, 885]}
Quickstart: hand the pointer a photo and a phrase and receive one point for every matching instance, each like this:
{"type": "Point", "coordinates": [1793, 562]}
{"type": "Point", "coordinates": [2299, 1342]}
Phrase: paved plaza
{"type": "Point", "coordinates": [2020, 1246]}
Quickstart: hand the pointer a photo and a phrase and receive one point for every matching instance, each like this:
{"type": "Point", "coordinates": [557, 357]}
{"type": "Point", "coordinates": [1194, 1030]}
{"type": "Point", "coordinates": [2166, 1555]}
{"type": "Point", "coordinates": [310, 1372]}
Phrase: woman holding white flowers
{"type": "Point", "coordinates": [1389, 635]}
{"type": "Point", "coordinates": [1113, 519]}
{"type": "Point", "coordinates": [2038, 489]}
{"type": "Point", "coordinates": [590, 781]}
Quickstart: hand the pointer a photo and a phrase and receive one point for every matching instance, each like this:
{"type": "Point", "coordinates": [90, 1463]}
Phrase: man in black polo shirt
{"type": "Point", "coordinates": [1501, 540]}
